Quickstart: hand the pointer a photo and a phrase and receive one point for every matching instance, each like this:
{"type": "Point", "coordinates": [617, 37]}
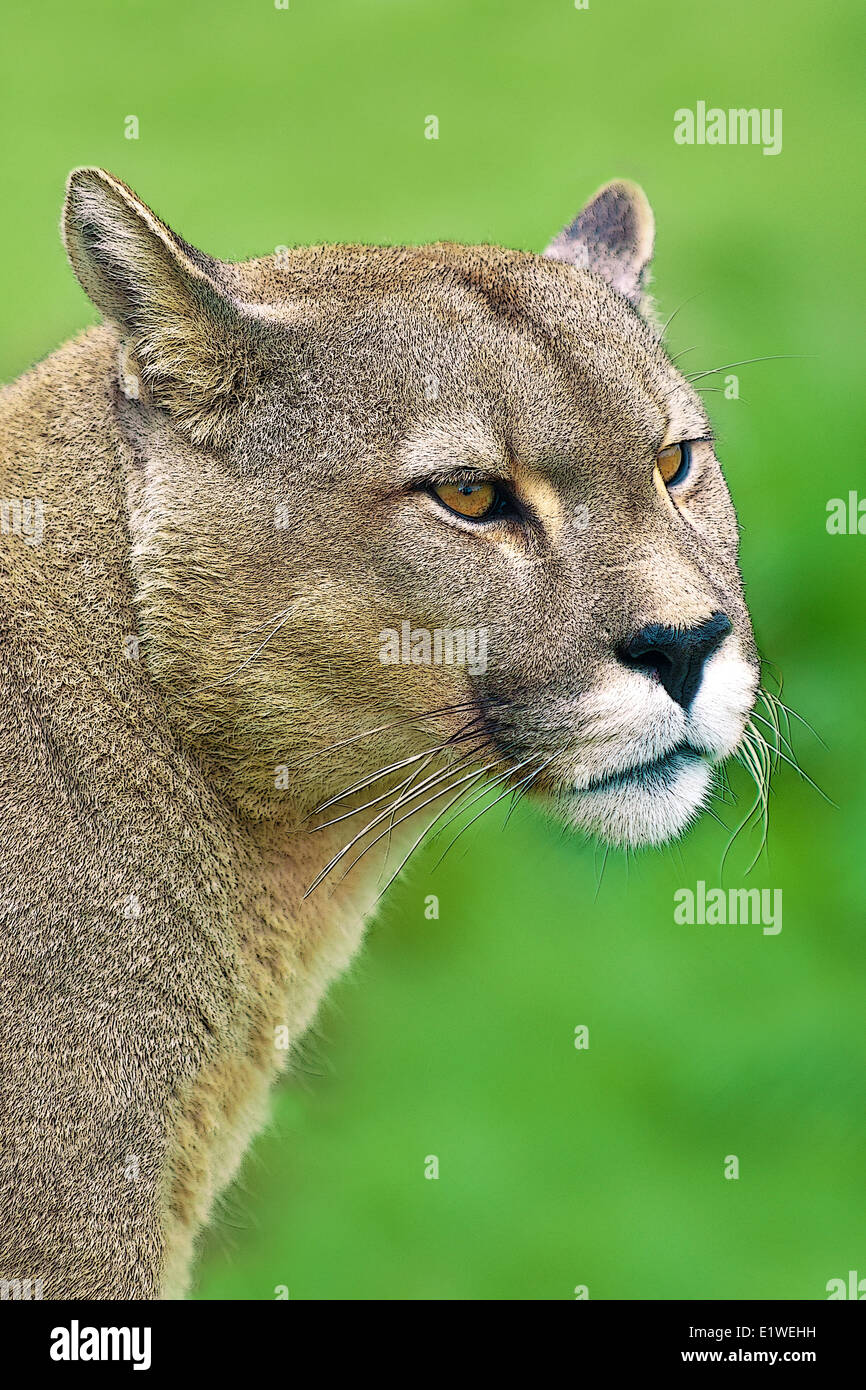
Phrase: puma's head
{"type": "Point", "coordinates": [384, 499]}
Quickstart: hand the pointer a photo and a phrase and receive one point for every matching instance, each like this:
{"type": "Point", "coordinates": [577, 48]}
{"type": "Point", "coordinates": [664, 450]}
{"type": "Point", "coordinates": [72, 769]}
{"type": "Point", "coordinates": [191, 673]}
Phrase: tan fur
{"type": "Point", "coordinates": [155, 930]}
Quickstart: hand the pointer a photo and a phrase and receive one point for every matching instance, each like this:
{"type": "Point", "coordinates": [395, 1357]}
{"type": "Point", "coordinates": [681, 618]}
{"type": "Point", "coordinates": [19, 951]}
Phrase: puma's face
{"type": "Point", "coordinates": [564, 496]}
{"type": "Point", "coordinates": [461, 492]}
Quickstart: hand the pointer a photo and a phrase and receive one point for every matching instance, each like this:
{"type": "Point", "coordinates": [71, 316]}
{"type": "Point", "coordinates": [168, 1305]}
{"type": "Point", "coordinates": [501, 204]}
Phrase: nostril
{"type": "Point", "coordinates": [715, 630]}
{"type": "Point", "coordinates": [652, 662]}
{"type": "Point", "coordinates": [675, 657]}
{"type": "Point", "coordinates": [648, 650]}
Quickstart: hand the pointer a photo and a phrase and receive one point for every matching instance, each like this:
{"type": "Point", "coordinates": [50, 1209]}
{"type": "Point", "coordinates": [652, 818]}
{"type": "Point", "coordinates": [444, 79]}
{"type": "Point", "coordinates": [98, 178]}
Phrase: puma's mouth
{"type": "Point", "coordinates": [655, 775]}
{"type": "Point", "coordinates": [644, 804]}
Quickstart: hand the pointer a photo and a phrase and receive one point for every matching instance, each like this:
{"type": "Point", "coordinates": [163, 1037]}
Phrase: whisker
{"type": "Point", "coordinates": [382, 728]}
{"type": "Point", "coordinates": [401, 866]}
{"type": "Point", "coordinates": [753, 753]}
{"type": "Point", "coordinates": [520, 792]}
{"type": "Point", "coordinates": [488, 786]}
{"type": "Point", "coordinates": [257, 627]}
{"type": "Point", "coordinates": [244, 664]}
{"type": "Point", "coordinates": [775, 728]}
{"type": "Point", "coordinates": [690, 300]}
{"type": "Point", "coordinates": [788, 710]}
{"type": "Point", "coordinates": [746, 757]}
{"type": "Point", "coordinates": [805, 776]}
{"type": "Point", "coordinates": [369, 780]}
{"type": "Point", "coordinates": [385, 796]}
{"type": "Point", "coordinates": [471, 778]}
{"type": "Point", "coordinates": [442, 775]}
{"type": "Point", "coordinates": [473, 753]}
{"type": "Point", "coordinates": [465, 733]}
{"type": "Point", "coordinates": [746, 362]}
{"type": "Point", "coordinates": [485, 809]}
{"type": "Point", "coordinates": [598, 881]}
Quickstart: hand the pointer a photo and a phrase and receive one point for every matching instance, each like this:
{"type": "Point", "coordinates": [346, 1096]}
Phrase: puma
{"type": "Point", "coordinates": [243, 479]}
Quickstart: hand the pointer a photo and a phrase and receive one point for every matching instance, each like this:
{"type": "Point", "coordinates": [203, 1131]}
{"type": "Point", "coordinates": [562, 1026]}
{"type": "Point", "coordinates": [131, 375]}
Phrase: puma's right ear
{"type": "Point", "coordinates": [613, 236]}
{"type": "Point", "coordinates": [187, 343]}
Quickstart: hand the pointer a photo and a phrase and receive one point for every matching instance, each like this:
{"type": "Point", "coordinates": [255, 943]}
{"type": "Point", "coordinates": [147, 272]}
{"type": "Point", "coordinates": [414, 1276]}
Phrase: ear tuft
{"type": "Point", "coordinates": [181, 330]}
{"type": "Point", "coordinates": [613, 236]}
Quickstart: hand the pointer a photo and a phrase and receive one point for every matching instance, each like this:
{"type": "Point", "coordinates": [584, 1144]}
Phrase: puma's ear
{"type": "Point", "coordinates": [187, 344]}
{"type": "Point", "coordinates": [613, 236]}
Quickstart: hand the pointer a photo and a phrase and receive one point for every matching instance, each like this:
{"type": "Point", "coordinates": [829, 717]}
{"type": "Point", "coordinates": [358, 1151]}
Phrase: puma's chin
{"type": "Point", "coordinates": [643, 805]}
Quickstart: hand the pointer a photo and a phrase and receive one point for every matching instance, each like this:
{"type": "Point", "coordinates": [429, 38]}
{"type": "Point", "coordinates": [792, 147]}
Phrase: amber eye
{"type": "Point", "coordinates": [674, 462]}
{"type": "Point", "coordinates": [473, 500]}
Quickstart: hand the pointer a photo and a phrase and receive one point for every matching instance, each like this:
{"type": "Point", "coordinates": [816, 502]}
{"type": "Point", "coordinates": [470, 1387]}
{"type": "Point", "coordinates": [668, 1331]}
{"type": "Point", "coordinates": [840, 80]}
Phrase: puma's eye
{"type": "Point", "coordinates": [674, 462]}
{"type": "Point", "coordinates": [477, 501]}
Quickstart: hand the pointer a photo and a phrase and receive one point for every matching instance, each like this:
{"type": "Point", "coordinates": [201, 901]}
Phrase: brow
{"type": "Point", "coordinates": [448, 460]}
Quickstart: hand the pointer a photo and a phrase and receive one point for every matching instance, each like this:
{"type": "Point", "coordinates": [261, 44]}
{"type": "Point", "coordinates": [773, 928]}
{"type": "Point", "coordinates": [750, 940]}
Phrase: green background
{"type": "Point", "coordinates": [558, 1167]}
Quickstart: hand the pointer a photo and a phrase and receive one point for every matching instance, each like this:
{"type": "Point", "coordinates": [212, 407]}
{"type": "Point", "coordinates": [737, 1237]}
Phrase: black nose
{"type": "Point", "coordinates": [675, 656]}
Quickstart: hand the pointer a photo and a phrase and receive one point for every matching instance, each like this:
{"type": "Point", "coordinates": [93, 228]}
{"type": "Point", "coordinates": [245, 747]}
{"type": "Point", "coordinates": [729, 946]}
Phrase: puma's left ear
{"type": "Point", "coordinates": [613, 237]}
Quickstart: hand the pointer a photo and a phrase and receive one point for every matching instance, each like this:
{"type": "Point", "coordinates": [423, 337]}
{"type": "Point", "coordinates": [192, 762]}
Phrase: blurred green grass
{"type": "Point", "coordinates": [261, 127]}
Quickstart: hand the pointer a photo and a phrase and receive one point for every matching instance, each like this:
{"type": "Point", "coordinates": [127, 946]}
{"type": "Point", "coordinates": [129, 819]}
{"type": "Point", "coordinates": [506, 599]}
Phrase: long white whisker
{"type": "Point", "coordinates": [471, 777]}
{"type": "Point", "coordinates": [429, 782]}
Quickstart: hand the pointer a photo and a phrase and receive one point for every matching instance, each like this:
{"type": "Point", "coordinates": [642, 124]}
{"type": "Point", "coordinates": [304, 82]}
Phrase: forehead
{"type": "Point", "coordinates": [544, 354]}
{"type": "Point", "coordinates": [578, 352]}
